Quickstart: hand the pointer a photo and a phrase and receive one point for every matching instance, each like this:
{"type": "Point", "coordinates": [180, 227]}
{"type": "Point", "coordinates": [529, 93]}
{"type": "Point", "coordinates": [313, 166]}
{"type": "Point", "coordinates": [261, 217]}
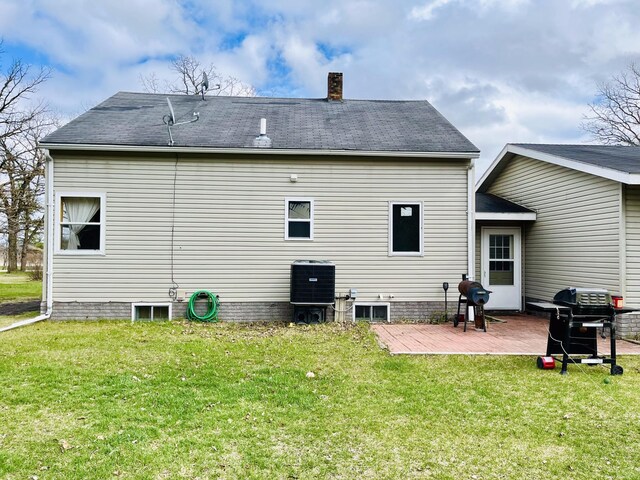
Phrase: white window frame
{"type": "Point", "coordinates": [372, 304]}
{"type": "Point", "coordinates": [58, 222]}
{"type": "Point", "coordinates": [287, 220]}
{"type": "Point", "coordinates": [150, 304]}
{"type": "Point", "coordinates": [406, 254]}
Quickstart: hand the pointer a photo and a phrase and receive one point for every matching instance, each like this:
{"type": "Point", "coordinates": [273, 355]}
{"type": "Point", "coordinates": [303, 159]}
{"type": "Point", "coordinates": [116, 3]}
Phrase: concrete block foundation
{"type": "Point", "coordinates": [400, 312]}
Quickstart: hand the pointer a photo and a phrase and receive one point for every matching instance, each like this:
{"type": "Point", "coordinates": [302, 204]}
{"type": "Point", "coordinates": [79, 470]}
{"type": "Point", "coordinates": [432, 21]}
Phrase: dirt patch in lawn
{"type": "Point", "coordinates": [16, 308]}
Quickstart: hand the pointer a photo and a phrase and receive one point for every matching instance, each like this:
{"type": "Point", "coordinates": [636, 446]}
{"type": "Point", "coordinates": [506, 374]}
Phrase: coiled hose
{"type": "Point", "coordinates": [212, 307]}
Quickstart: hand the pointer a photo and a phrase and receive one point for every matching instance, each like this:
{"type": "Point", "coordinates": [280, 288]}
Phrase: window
{"type": "Point", "coordinates": [501, 261]}
{"type": "Point", "coordinates": [150, 311]}
{"type": "Point", "coordinates": [371, 312]}
{"type": "Point", "coordinates": [80, 223]}
{"type": "Point", "coordinates": [405, 228]}
{"type": "Point", "coordinates": [298, 219]}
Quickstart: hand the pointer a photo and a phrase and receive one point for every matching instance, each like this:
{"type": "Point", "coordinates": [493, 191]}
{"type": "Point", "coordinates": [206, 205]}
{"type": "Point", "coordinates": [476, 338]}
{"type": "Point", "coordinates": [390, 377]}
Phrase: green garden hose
{"type": "Point", "coordinates": [212, 307]}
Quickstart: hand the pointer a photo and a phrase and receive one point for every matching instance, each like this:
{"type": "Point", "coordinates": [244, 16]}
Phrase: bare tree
{"type": "Point", "coordinates": [22, 189]}
{"type": "Point", "coordinates": [189, 72]}
{"type": "Point", "coordinates": [16, 86]}
{"type": "Point", "coordinates": [615, 115]}
{"type": "Point", "coordinates": [21, 163]}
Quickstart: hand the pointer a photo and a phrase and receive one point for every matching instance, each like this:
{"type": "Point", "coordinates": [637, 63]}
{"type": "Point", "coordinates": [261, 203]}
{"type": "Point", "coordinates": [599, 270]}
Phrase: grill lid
{"type": "Point", "coordinates": [587, 297]}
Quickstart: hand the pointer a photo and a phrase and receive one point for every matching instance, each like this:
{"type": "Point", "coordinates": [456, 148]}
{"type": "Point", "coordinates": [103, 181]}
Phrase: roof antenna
{"type": "Point", "coordinates": [204, 85]}
{"type": "Point", "coordinates": [170, 120]}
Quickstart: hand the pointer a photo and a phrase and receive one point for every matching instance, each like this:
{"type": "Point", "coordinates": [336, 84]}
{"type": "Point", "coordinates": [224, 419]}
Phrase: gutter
{"type": "Point", "coordinates": [49, 251]}
{"type": "Point", "coordinates": [258, 151]}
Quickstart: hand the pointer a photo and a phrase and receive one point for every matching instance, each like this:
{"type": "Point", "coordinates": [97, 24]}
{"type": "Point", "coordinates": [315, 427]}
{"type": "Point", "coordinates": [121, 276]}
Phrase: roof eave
{"type": "Point", "coordinates": [508, 216]}
{"type": "Point", "coordinates": [510, 150]}
{"type": "Point", "coordinates": [257, 151]}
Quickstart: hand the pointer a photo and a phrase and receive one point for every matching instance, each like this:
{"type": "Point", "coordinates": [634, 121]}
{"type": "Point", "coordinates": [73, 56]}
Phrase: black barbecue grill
{"type": "Point", "coordinates": [585, 301]}
{"type": "Point", "coordinates": [576, 315]}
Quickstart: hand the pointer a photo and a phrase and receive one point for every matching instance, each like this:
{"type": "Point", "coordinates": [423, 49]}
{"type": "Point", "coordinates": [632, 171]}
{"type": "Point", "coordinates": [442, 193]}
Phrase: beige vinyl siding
{"type": "Point", "coordinates": [632, 207]}
{"type": "Point", "coordinates": [229, 226]}
{"type": "Point", "coordinates": [574, 240]}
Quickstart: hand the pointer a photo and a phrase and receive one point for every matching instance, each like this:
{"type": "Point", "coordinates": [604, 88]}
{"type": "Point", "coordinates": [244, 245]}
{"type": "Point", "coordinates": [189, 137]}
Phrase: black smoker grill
{"type": "Point", "coordinates": [573, 327]}
{"type": "Point", "coordinates": [473, 296]}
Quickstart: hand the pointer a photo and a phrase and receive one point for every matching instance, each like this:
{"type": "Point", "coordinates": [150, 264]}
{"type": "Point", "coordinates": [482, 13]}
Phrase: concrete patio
{"type": "Point", "coordinates": [518, 334]}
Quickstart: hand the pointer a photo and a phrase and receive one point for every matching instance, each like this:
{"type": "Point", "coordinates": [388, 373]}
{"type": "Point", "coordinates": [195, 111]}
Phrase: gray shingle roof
{"type": "Point", "coordinates": [135, 119]}
{"type": "Point", "coordinates": [489, 203]}
{"type": "Point", "coordinates": [617, 157]}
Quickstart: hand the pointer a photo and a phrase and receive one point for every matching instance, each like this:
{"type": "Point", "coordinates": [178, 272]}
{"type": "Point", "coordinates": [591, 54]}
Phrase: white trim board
{"type": "Point", "coordinates": [522, 216]}
{"type": "Point", "coordinates": [510, 149]}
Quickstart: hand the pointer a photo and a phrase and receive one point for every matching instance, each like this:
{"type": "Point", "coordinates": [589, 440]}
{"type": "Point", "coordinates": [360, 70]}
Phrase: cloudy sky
{"type": "Point", "coordinates": [500, 70]}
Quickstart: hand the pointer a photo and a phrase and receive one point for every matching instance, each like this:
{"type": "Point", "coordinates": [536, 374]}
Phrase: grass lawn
{"type": "Point", "coordinates": [175, 400]}
{"type": "Point", "coordinates": [17, 286]}
{"type": "Point", "coordinates": [6, 320]}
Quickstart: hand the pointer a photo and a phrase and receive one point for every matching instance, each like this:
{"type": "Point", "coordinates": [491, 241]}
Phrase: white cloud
{"type": "Point", "coordinates": [426, 12]}
{"type": "Point", "coordinates": [592, 3]}
{"type": "Point", "coordinates": [501, 70]}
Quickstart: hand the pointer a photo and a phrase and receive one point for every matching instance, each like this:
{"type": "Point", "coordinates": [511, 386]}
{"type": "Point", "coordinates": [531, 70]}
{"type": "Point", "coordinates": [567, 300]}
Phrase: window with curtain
{"type": "Point", "coordinates": [299, 219]}
{"type": "Point", "coordinates": [81, 223]}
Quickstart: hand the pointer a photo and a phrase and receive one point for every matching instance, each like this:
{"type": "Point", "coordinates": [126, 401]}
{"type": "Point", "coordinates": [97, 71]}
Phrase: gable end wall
{"type": "Point", "coordinates": [575, 239]}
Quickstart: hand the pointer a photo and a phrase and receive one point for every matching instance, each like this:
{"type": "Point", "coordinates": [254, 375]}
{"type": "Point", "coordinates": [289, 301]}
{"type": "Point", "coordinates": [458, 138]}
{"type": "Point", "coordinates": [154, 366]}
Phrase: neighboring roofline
{"type": "Point", "coordinates": [260, 151]}
{"type": "Point", "coordinates": [520, 216]}
{"type": "Point", "coordinates": [510, 150]}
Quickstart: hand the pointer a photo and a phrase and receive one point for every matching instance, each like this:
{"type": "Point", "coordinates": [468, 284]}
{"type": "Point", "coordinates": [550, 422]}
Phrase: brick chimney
{"type": "Point", "coordinates": [334, 86]}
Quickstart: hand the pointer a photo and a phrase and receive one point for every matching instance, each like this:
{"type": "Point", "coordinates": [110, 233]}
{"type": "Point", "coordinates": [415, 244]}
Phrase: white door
{"type": "Point", "coordinates": [501, 270]}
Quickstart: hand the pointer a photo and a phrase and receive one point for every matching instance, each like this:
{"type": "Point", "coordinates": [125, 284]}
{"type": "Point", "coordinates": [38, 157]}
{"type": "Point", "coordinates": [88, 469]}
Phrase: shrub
{"type": "Point", "coordinates": [36, 272]}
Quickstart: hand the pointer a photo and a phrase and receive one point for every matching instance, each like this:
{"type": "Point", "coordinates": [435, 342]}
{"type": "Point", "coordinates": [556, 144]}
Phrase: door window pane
{"type": "Point", "coordinates": [501, 263]}
{"type": "Point", "coordinates": [501, 273]}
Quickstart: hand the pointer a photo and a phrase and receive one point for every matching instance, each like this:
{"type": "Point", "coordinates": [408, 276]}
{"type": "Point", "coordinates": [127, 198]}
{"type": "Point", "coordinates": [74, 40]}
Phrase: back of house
{"type": "Point", "coordinates": [584, 224]}
{"type": "Point", "coordinates": [158, 196]}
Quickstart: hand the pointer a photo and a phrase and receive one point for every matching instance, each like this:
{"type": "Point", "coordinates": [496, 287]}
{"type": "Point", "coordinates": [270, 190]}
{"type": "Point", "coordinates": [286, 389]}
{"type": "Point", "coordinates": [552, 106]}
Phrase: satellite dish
{"type": "Point", "coordinates": [170, 120]}
{"type": "Point", "coordinates": [172, 116]}
{"type": "Point", "coordinates": [204, 86]}
{"type": "Point", "coordinates": [205, 82]}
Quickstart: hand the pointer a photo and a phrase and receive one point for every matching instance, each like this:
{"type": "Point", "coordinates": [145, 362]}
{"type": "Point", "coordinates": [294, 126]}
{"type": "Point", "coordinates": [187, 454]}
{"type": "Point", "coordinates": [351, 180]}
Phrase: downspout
{"type": "Point", "coordinates": [471, 220]}
{"type": "Point", "coordinates": [622, 239]}
{"type": "Point", "coordinates": [49, 250]}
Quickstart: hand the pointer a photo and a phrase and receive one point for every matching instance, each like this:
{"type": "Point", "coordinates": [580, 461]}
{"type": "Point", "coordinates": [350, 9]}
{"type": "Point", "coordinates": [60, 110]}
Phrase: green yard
{"type": "Point", "coordinates": [175, 400]}
{"type": "Point", "coordinates": [17, 287]}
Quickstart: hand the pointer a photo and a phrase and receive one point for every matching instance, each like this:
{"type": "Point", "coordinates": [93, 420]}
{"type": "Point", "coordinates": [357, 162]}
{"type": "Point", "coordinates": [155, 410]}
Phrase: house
{"type": "Point", "coordinates": [578, 222]}
{"type": "Point", "coordinates": [145, 213]}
